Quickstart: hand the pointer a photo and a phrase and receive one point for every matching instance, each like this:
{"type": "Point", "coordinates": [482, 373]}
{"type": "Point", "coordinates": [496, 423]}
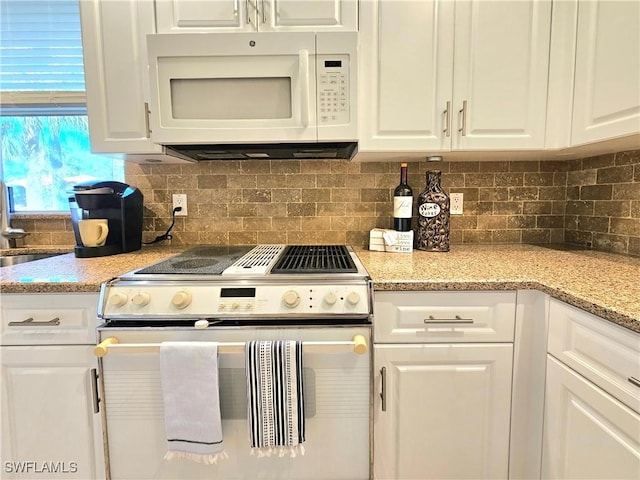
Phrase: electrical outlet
{"type": "Point", "coordinates": [180, 200]}
{"type": "Point", "coordinates": [456, 203]}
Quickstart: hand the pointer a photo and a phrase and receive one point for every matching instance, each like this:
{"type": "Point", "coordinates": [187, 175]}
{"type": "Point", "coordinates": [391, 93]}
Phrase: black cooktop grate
{"type": "Point", "coordinates": [315, 259]}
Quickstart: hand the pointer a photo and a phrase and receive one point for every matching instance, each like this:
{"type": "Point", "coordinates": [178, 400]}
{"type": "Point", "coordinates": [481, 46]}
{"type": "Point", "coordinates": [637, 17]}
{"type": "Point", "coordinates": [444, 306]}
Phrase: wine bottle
{"type": "Point", "coordinates": [433, 216]}
{"type": "Point", "coordinates": [402, 203]}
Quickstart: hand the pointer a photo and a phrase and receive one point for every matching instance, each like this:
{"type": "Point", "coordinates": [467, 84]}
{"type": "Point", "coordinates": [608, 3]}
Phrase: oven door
{"type": "Point", "coordinates": [223, 88]}
{"type": "Point", "coordinates": [337, 405]}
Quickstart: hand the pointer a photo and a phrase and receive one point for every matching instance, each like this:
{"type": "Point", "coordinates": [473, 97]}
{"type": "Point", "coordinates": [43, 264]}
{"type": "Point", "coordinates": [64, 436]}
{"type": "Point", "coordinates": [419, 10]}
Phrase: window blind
{"type": "Point", "coordinates": [40, 46]}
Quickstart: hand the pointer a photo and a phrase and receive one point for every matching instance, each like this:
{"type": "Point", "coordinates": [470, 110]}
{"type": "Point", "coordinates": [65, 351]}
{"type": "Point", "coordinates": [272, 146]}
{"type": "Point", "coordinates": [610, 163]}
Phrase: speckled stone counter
{"type": "Point", "coordinates": [606, 285]}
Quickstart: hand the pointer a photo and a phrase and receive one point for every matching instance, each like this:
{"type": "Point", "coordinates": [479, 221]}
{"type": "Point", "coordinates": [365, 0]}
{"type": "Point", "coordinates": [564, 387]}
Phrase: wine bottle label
{"type": "Point", "coordinates": [429, 210]}
{"type": "Point", "coordinates": [402, 207]}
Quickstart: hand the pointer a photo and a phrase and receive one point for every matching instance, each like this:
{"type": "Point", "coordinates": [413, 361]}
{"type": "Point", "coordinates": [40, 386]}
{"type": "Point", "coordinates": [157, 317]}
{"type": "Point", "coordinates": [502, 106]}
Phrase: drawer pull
{"type": "Point", "coordinates": [29, 322]}
{"type": "Point", "coordinates": [383, 393]}
{"type": "Point", "coordinates": [634, 381]}
{"type": "Point", "coordinates": [93, 378]}
{"type": "Point", "coordinates": [457, 319]}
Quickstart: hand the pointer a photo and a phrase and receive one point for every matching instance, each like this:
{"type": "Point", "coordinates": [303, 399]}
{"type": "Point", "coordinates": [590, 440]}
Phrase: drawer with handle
{"type": "Point", "coordinates": [438, 317]}
{"type": "Point", "coordinates": [48, 319]}
{"type": "Point", "coordinates": [605, 353]}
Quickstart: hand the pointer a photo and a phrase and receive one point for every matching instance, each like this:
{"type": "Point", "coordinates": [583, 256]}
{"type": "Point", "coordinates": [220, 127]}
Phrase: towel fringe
{"type": "Point", "coordinates": [206, 459]}
{"type": "Point", "coordinates": [293, 451]}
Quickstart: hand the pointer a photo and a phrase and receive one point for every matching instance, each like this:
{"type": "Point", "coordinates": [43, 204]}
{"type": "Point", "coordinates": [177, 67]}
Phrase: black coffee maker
{"type": "Point", "coordinates": [117, 202]}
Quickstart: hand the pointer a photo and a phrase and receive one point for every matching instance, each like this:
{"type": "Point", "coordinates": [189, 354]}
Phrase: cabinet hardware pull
{"type": "Point", "coordinates": [303, 73]}
{"type": "Point", "coordinates": [29, 322]}
{"type": "Point", "coordinates": [246, 11]}
{"type": "Point", "coordinates": [457, 319]}
{"type": "Point", "coordinates": [383, 393]}
{"type": "Point", "coordinates": [146, 119]}
{"type": "Point", "coordinates": [634, 381]}
{"type": "Point", "coordinates": [264, 13]}
{"type": "Point", "coordinates": [93, 377]}
{"type": "Point", "coordinates": [463, 112]}
{"type": "Point", "coordinates": [447, 120]}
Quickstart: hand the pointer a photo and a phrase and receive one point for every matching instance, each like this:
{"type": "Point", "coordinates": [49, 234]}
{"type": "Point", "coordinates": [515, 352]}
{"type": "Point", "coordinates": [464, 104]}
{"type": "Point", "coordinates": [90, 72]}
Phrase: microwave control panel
{"type": "Point", "coordinates": [333, 89]}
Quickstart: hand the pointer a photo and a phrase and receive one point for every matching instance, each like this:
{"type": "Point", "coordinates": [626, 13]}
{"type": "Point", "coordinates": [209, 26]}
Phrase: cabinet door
{"type": "Point", "coordinates": [442, 411]}
{"type": "Point", "coordinates": [406, 67]}
{"type": "Point", "coordinates": [176, 16]}
{"type": "Point", "coordinates": [587, 433]}
{"type": "Point", "coordinates": [500, 74]}
{"type": "Point", "coordinates": [49, 428]}
{"type": "Point", "coordinates": [606, 101]}
{"type": "Point", "coordinates": [307, 15]}
{"type": "Point", "coordinates": [116, 74]}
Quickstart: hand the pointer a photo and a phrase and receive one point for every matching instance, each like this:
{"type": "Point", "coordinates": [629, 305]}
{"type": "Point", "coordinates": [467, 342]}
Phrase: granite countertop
{"type": "Point", "coordinates": [607, 285]}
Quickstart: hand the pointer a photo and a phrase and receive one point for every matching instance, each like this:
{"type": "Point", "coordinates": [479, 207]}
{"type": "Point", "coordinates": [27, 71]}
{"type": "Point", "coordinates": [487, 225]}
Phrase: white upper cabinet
{"type": "Point", "coordinates": [117, 81]}
{"type": "Point", "coordinates": [406, 74]}
{"type": "Point", "coordinates": [176, 16]}
{"type": "Point", "coordinates": [500, 74]}
{"type": "Point", "coordinates": [455, 76]}
{"type": "Point", "coordinates": [606, 101]}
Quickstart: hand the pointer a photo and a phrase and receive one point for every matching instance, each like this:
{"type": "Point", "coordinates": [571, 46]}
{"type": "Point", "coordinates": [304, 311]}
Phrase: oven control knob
{"type": "Point", "coordinates": [141, 299]}
{"type": "Point", "coordinates": [353, 298]}
{"type": "Point", "coordinates": [235, 305]}
{"type": "Point", "coordinates": [181, 299]}
{"type": "Point", "coordinates": [291, 299]}
{"type": "Point", "coordinates": [330, 298]}
{"type": "Point", "coordinates": [118, 299]}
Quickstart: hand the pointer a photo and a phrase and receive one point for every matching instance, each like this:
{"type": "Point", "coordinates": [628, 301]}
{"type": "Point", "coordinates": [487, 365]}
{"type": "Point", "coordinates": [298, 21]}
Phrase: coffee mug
{"type": "Point", "coordinates": [93, 231]}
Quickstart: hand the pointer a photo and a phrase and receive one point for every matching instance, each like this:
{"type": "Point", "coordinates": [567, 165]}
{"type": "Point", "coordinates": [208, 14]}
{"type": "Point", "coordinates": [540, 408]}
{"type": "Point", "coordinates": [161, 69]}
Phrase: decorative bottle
{"type": "Point", "coordinates": [433, 216]}
{"type": "Point", "coordinates": [402, 203]}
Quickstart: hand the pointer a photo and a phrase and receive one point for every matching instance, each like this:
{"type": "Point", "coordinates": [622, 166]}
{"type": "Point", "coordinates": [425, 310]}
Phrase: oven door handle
{"type": "Point", "coordinates": [358, 344]}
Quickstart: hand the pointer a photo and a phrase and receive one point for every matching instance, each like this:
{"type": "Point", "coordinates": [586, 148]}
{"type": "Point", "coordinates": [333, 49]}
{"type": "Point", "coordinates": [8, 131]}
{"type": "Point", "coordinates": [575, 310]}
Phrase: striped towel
{"type": "Point", "coordinates": [275, 397]}
{"type": "Point", "coordinates": [189, 375]}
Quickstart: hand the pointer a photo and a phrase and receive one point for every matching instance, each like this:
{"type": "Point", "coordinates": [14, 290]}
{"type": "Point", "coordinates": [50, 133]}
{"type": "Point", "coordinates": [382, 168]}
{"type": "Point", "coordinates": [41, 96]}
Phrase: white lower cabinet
{"type": "Point", "coordinates": [592, 401]}
{"type": "Point", "coordinates": [443, 412]}
{"type": "Point", "coordinates": [588, 433]}
{"type": "Point", "coordinates": [50, 423]}
{"type": "Point", "coordinates": [442, 402]}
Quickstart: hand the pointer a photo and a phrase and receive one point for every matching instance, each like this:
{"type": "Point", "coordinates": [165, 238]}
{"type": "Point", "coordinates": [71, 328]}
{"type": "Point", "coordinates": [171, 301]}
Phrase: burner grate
{"type": "Point", "coordinates": [315, 259]}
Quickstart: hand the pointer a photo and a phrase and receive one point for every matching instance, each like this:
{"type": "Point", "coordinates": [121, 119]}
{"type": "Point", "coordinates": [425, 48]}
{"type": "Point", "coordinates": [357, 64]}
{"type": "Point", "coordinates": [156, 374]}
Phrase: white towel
{"type": "Point", "coordinates": [189, 374]}
{"type": "Point", "coordinates": [275, 397]}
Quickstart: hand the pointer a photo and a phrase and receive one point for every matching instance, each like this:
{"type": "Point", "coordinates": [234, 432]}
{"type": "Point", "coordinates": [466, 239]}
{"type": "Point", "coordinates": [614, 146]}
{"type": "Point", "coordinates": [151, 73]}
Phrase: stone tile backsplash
{"type": "Point", "coordinates": [592, 202]}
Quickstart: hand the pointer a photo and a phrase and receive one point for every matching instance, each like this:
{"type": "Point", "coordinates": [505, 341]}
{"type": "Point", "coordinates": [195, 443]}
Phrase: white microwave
{"type": "Point", "coordinates": [259, 95]}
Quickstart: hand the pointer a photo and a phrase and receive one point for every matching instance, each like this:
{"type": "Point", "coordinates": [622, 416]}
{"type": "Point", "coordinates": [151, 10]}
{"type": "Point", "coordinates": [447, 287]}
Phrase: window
{"type": "Point", "coordinates": [44, 132]}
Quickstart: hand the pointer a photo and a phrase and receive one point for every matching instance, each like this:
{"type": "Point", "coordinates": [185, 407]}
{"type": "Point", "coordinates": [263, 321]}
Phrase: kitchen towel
{"type": "Point", "coordinates": [189, 375]}
{"type": "Point", "coordinates": [275, 397]}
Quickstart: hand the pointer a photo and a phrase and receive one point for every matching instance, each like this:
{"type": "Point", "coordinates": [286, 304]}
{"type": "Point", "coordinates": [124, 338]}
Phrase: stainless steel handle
{"type": "Point", "coordinates": [634, 381]}
{"type": "Point", "coordinates": [463, 122]}
{"type": "Point", "coordinates": [383, 393]}
{"type": "Point", "coordinates": [457, 319]}
{"type": "Point", "coordinates": [447, 120]}
{"type": "Point", "coordinates": [29, 322]}
{"type": "Point", "coordinates": [146, 119]}
{"type": "Point", "coordinates": [303, 75]}
{"type": "Point", "coordinates": [93, 377]}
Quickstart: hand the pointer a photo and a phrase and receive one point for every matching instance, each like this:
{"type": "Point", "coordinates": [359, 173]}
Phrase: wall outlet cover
{"type": "Point", "coordinates": [456, 203]}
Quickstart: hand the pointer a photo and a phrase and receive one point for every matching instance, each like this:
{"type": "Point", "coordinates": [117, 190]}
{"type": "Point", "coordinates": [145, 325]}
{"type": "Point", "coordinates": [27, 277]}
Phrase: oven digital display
{"type": "Point", "coordinates": [237, 292]}
{"type": "Point", "coordinates": [332, 63]}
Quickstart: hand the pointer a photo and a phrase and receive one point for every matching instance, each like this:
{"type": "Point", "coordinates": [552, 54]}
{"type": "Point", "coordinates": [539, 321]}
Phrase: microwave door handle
{"type": "Point", "coordinates": [304, 86]}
